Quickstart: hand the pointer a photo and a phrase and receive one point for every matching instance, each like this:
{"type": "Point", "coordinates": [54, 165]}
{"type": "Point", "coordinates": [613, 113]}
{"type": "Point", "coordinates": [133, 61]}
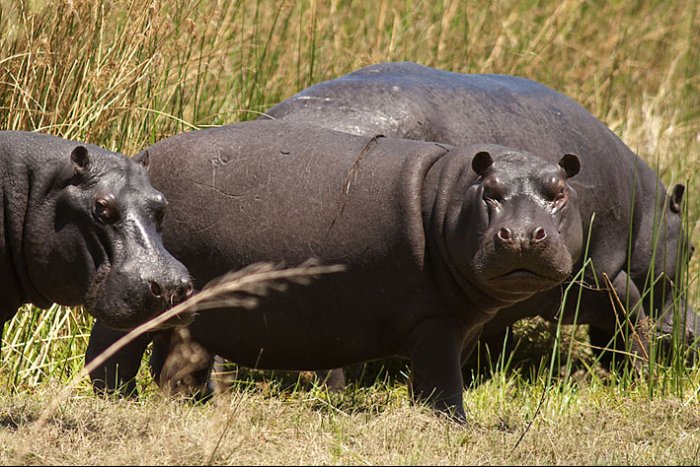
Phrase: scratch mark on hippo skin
{"type": "Point", "coordinates": [355, 167]}
{"type": "Point", "coordinates": [352, 174]}
{"type": "Point", "coordinates": [222, 192]}
{"type": "Point", "coordinates": [217, 161]}
{"type": "Point", "coordinates": [206, 227]}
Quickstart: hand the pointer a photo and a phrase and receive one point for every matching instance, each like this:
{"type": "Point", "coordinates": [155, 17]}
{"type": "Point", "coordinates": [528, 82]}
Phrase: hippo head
{"type": "Point", "coordinates": [671, 255]}
{"type": "Point", "coordinates": [518, 230]}
{"type": "Point", "coordinates": [103, 247]}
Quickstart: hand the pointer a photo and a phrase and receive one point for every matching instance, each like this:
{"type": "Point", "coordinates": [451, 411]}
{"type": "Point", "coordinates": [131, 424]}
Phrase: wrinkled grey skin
{"type": "Point", "coordinates": [80, 226]}
{"type": "Point", "coordinates": [426, 233]}
{"type": "Point", "coordinates": [407, 100]}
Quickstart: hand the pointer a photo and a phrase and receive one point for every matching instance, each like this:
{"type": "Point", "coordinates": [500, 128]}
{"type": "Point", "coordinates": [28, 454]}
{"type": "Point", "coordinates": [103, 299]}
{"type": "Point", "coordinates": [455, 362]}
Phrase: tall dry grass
{"type": "Point", "coordinates": [125, 73]}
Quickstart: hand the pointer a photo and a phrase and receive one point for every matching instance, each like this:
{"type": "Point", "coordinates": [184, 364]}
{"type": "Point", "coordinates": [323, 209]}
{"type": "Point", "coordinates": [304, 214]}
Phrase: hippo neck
{"type": "Point", "coordinates": [32, 175]}
{"type": "Point", "coordinates": [464, 298]}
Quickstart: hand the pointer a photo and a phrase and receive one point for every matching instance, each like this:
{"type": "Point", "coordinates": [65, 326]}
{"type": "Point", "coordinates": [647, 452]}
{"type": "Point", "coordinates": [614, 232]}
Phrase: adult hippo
{"type": "Point", "coordinates": [434, 240]}
{"type": "Point", "coordinates": [636, 236]}
{"type": "Point", "coordinates": [80, 225]}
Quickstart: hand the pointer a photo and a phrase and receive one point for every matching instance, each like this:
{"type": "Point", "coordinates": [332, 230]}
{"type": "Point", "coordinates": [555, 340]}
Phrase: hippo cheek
{"type": "Point", "coordinates": [571, 231]}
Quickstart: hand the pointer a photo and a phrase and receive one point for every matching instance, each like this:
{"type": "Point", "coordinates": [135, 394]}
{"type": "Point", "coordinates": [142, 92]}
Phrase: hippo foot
{"type": "Point", "coordinates": [333, 379]}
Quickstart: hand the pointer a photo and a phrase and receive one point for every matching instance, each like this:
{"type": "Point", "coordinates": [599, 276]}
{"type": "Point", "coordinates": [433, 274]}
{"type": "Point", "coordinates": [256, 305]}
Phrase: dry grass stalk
{"type": "Point", "coordinates": [236, 289]}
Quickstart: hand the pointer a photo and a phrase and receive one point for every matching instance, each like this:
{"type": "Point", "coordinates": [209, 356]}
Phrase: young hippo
{"type": "Point", "coordinates": [434, 240]}
{"type": "Point", "coordinates": [637, 239]}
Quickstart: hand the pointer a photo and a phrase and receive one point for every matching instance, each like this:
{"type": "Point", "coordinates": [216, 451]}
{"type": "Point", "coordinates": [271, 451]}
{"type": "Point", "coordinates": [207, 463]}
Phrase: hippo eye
{"type": "Point", "coordinates": [106, 210]}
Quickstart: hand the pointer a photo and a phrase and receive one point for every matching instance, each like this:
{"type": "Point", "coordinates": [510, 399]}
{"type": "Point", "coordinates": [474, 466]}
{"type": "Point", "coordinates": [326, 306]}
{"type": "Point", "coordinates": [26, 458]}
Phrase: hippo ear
{"type": "Point", "coordinates": [142, 158]}
{"type": "Point", "coordinates": [481, 162]}
{"type": "Point", "coordinates": [677, 198]}
{"type": "Point", "coordinates": [80, 159]}
{"type": "Point", "coordinates": [571, 164]}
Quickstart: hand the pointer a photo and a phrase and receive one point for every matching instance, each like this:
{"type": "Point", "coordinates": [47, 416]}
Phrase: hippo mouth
{"type": "Point", "coordinates": [94, 291]}
{"type": "Point", "coordinates": [524, 279]}
{"type": "Point", "coordinates": [180, 320]}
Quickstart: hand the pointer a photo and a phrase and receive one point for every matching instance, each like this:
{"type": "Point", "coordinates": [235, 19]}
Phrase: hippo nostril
{"type": "Point", "coordinates": [185, 292]}
{"type": "Point", "coordinates": [505, 234]}
{"type": "Point", "coordinates": [156, 289]}
{"type": "Point", "coordinates": [539, 234]}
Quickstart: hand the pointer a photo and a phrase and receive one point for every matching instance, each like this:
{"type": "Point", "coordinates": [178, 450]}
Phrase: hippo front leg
{"type": "Point", "coordinates": [118, 373]}
{"type": "Point", "coordinates": [435, 348]}
{"type": "Point", "coordinates": [629, 317]}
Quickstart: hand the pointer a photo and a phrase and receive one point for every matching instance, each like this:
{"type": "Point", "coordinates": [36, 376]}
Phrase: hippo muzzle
{"type": "Point", "coordinates": [521, 251]}
{"type": "Point", "coordinates": [153, 291]}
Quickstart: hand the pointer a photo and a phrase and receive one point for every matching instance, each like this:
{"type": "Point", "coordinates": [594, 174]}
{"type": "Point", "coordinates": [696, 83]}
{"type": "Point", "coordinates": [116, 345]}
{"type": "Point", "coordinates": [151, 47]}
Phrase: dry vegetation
{"type": "Point", "coordinates": [125, 73]}
{"type": "Point", "coordinates": [592, 425]}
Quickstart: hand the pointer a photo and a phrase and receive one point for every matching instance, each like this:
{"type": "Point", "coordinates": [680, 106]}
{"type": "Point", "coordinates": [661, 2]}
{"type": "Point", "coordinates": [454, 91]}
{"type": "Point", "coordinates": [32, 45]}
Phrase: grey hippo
{"type": "Point", "coordinates": [637, 239]}
{"type": "Point", "coordinates": [623, 203]}
{"type": "Point", "coordinates": [435, 240]}
{"type": "Point", "coordinates": [81, 225]}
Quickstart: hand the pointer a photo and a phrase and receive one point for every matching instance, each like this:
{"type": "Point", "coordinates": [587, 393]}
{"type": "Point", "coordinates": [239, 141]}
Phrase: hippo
{"type": "Point", "coordinates": [81, 226]}
{"type": "Point", "coordinates": [636, 234]}
{"type": "Point", "coordinates": [434, 240]}
{"type": "Point", "coordinates": [634, 215]}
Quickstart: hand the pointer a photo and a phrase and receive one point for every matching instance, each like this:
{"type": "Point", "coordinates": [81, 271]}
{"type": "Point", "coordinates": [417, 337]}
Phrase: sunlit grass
{"type": "Point", "coordinates": [125, 73]}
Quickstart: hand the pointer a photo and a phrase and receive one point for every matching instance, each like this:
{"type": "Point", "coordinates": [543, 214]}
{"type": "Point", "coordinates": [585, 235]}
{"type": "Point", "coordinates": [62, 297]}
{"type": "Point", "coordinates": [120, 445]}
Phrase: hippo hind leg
{"type": "Point", "coordinates": [181, 366]}
{"type": "Point", "coordinates": [625, 330]}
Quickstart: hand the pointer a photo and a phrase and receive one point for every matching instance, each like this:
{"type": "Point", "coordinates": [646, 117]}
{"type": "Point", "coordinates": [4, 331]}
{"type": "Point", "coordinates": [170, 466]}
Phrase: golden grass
{"type": "Point", "coordinates": [590, 425]}
{"type": "Point", "coordinates": [125, 73]}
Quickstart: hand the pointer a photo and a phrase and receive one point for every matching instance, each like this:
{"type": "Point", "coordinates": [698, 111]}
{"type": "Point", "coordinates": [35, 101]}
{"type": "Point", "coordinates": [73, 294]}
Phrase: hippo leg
{"type": "Point", "coordinates": [606, 346]}
{"type": "Point", "coordinates": [159, 353]}
{"type": "Point", "coordinates": [333, 379]}
{"type": "Point", "coordinates": [118, 374]}
{"type": "Point", "coordinates": [435, 349]}
{"type": "Point", "coordinates": [679, 328]}
{"type": "Point", "coordinates": [633, 323]}
{"type": "Point", "coordinates": [186, 368]}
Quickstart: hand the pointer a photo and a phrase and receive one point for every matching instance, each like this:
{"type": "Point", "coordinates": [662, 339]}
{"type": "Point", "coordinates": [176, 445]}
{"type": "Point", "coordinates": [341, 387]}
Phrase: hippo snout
{"type": "Point", "coordinates": [174, 291]}
{"type": "Point", "coordinates": [523, 256]}
{"type": "Point", "coordinates": [169, 292]}
{"type": "Point", "coordinates": [517, 239]}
